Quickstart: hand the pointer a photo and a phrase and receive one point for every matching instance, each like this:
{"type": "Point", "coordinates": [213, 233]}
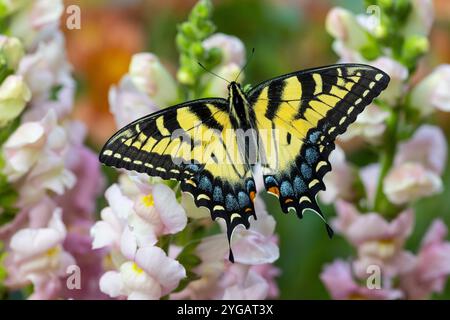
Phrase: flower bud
{"type": "Point", "coordinates": [11, 51]}
{"type": "Point", "coordinates": [14, 94]}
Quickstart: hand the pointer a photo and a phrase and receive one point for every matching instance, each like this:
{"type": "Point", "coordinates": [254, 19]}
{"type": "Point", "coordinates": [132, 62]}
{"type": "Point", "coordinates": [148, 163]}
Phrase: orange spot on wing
{"type": "Point", "coordinates": [288, 200]}
{"type": "Point", "coordinates": [274, 190]}
{"type": "Point", "coordinates": [248, 210]}
{"type": "Point", "coordinates": [253, 196]}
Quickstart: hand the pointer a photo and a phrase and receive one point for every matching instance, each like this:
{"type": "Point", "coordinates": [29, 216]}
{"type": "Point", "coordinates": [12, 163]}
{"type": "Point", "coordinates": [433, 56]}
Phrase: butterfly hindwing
{"type": "Point", "coordinates": [298, 116]}
{"type": "Point", "coordinates": [194, 143]}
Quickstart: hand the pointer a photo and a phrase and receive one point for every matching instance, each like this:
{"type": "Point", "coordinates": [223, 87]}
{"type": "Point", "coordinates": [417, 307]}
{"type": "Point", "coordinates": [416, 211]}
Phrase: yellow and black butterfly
{"type": "Point", "coordinates": [293, 121]}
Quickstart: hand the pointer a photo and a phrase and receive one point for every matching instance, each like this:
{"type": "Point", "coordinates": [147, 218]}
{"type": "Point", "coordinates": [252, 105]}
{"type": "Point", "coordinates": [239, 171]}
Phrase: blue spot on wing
{"type": "Point", "coordinates": [270, 181]}
{"type": "Point", "coordinates": [243, 199]}
{"type": "Point", "coordinates": [205, 184]}
{"type": "Point", "coordinates": [231, 203]}
{"type": "Point", "coordinates": [306, 171]}
{"type": "Point", "coordinates": [192, 167]}
{"type": "Point", "coordinates": [299, 185]}
{"type": "Point", "coordinates": [217, 194]}
{"type": "Point", "coordinates": [286, 189]}
{"type": "Point", "coordinates": [311, 155]}
{"type": "Point", "coordinates": [314, 137]}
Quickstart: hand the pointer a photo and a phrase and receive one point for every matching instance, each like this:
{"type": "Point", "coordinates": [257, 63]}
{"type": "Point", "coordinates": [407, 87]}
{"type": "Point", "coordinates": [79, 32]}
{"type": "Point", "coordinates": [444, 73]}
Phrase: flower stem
{"type": "Point", "coordinates": [381, 203]}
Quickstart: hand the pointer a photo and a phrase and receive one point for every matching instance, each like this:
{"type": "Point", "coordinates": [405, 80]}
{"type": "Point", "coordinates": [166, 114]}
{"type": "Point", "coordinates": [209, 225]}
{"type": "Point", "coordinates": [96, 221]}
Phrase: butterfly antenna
{"type": "Point", "coordinates": [246, 64]}
{"type": "Point", "coordinates": [209, 71]}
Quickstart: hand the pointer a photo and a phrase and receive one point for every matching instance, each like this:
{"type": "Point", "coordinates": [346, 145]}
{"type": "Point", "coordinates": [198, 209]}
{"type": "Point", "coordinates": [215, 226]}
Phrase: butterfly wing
{"type": "Point", "coordinates": [194, 143]}
{"type": "Point", "coordinates": [298, 117]}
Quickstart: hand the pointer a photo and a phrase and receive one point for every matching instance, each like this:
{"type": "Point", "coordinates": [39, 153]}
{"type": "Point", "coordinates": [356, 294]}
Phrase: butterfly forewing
{"type": "Point", "coordinates": [196, 144]}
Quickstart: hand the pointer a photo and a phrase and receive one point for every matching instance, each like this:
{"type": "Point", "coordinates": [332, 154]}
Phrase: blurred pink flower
{"type": "Point", "coordinates": [36, 21]}
{"type": "Point", "coordinates": [25, 146]}
{"type": "Point", "coordinates": [338, 182]}
{"type": "Point", "coordinates": [269, 273]}
{"type": "Point", "coordinates": [369, 177]}
{"type": "Point", "coordinates": [241, 283]}
{"type": "Point", "coordinates": [127, 103]}
{"type": "Point", "coordinates": [49, 175]}
{"type": "Point", "coordinates": [232, 48]}
{"type": "Point", "coordinates": [428, 147]}
{"type": "Point", "coordinates": [79, 201]}
{"type": "Point", "coordinates": [148, 75]}
{"type": "Point", "coordinates": [79, 244]}
{"type": "Point", "coordinates": [378, 241]}
{"type": "Point", "coordinates": [150, 276]}
{"type": "Point", "coordinates": [398, 74]}
{"type": "Point", "coordinates": [346, 29]}
{"type": "Point", "coordinates": [410, 181]}
{"type": "Point", "coordinates": [433, 92]}
{"type": "Point", "coordinates": [43, 70]}
{"type": "Point", "coordinates": [37, 257]}
{"type": "Point", "coordinates": [417, 166]}
{"type": "Point", "coordinates": [431, 267]}
{"type": "Point", "coordinates": [338, 279]}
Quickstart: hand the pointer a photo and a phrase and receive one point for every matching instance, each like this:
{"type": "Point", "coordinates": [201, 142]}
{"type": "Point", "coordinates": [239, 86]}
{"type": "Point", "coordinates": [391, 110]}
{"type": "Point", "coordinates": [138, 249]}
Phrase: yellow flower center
{"type": "Point", "coordinates": [148, 200]}
{"type": "Point", "coordinates": [386, 248]}
{"type": "Point", "coordinates": [52, 252]}
{"type": "Point", "coordinates": [136, 268]}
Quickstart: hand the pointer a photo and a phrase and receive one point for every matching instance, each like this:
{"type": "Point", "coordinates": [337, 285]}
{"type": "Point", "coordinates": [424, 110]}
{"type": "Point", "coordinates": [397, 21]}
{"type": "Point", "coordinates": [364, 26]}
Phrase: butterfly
{"type": "Point", "coordinates": [287, 124]}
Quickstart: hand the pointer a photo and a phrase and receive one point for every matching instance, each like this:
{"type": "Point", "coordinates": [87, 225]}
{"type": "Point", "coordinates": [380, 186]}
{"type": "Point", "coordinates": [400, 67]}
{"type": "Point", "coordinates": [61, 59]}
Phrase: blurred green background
{"type": "Point", "coordinates": [287, 35]}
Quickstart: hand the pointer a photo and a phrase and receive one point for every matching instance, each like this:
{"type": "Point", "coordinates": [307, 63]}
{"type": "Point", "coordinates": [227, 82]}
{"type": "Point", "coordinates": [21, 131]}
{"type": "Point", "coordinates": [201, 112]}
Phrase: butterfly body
{"type": "Point", "coordinates": [287, 124]}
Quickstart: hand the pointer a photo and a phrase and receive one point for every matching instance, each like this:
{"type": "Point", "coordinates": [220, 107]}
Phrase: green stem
{"type": "Point", "coordinates": [381, 204]}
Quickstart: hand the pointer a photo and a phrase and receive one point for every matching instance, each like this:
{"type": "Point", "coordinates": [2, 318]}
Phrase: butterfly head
{"type": "Point", "coordinates": [233, 85]}
{"type": "Point", "coordinates": [235, 94]}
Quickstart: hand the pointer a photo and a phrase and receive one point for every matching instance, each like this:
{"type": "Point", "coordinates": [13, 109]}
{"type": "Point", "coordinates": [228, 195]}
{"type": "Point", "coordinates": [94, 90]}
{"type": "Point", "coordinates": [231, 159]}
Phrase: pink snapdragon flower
{"type": "Point", "coordinates": [138, 214]}
{"type": "Point", "coordinates": [433, 92]}
{"type": "Point", "coordinates": [338, 279]}
{"type": "Point", "coordinates": [147, 87]}
{"type": "Point", "coordinates": [378, 241]}
{"type": "Point", "coordinates": [149, 276]}
{"type": "Point", "coordinates": [80, 200]}
{"type": "Point", "coordinates": [417, 167]}
{"type": "Point", "coordinates": [43, 70]}
{"type": "Point", "coordinates": [90, 262]}
{"type": "Point", "coordinates": [38, 257]}
{"type": "Point", "coordinates": [431, 267]}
